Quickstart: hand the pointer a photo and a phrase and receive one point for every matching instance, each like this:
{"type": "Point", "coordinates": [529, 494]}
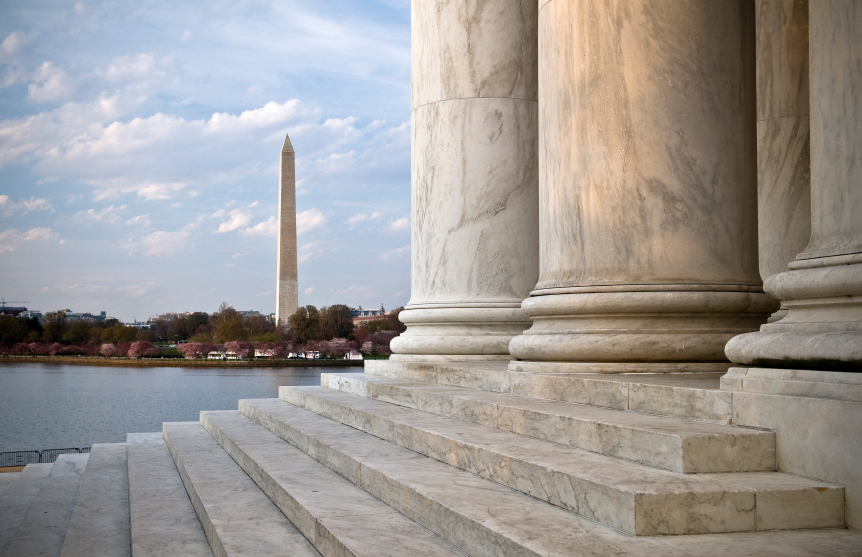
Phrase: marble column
{"type": "Point", "coordinates": [287, 288]}
{"type": "Point", "coordinates": [474, 178]}
{"type": "Point", "coordinates": [823, 288]}
{"type": "Point", "coordinates": [783, 161]}
{"type": "Point", "coordinates": [647, 187]}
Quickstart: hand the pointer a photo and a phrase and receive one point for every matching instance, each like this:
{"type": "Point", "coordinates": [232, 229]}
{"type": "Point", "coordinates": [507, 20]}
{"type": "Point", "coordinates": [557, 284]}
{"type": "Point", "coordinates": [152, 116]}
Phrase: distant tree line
{"type": "Point", "coordinates": [328, 330]}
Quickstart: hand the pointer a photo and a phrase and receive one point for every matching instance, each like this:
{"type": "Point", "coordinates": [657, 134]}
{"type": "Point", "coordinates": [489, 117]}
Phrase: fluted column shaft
{"type": "Point", "coordinates": [474, 178]}
{"type": "Point", "coordinates": [823, 289]}
{"type": "Point", "coordinates": [783, 160]}
{"type": "Point", "coordinates": [648, 207]}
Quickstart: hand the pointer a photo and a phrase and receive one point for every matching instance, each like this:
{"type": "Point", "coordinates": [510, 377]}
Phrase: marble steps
{"type": "Point", "coordinates": [625, 495]}
{"type": "Point", "coordinates": [162, 519]}
{"type": "Point", "coordinates": [238, 519]}
{"type": "Point", "coordinates": [15, 501]}
{"type": "Point", "coordinates": [44, 525]}
{"type": "Point", "coordinates": [661, 442]}
{"type": "Point", "coordinates": [486, 519]}
{"type": "Point", "coordinates": [480, 517]}
{"type": "Point", "coordinates": [336, 516]}
{"type": "Point", "coordinates": [7, 479]}
{"type": "Point", "coordinates": [99, 526]}
{"type": "Point", "coordinates": [692, 396]}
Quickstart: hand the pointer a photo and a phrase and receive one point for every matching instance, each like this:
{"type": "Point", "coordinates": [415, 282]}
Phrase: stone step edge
{"type": "Point", "coordinates": [214, 536]}
{"type": "Point", "coordinates": [725, 508]}
{"type": "Point", "coordinates": [325, 539]}
{"type": "Point", "coordinates": [104, 492]}
{"type": "Point", "coordinates": [472, 409]}
{"type": "Point", "coordinates": [15, 503]}
{"type": "Point", "coordinates": [691, 403]}
{"type": "Point", "coordinates": [46, 520]}
{"type": "Point", "coordinates": [419, 505]}
{"type": "Point", "coordinates": [177, 533]}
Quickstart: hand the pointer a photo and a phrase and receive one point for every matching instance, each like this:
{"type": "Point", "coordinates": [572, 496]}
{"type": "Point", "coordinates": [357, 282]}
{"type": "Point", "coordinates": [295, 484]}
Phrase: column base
{"type": "Point", "coordinates": [609, 367]}
{"type": "Point", "coordinates": [823, 327]}
{"type": "Point", "coordinates": [660, 331]}
{"type": "Point", "coordinates": [452, 333]}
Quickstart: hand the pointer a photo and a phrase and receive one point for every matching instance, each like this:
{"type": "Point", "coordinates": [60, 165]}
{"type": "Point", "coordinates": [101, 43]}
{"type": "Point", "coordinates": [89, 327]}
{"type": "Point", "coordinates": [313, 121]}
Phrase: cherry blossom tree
{"type": "Point", "coordinates": [21, 348]}
{"type": "Point", "coordinates": [192, 349]}
{"type": "Point", "coordinates": [38, 348]}
{"type": "Point", "coordinates": [108, 349]}
{"type": "Point", "coordinates": [142, 348]}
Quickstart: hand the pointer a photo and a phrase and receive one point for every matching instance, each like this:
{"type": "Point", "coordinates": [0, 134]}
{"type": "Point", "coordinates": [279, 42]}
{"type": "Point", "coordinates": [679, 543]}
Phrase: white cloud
{"type": "Point", "coordinates": [136, 290]}
{"type": "Point", "coordinates": [75, 288]}
{"type": "Point", "coordinates": [79, 8]}
{"type": "Point", "coordinates": [387, 255]}
{"type": "Point", "coordinates": [268, 228]}
{"type": "Point", "coordinates": [140, 220]}
{"type": "Point", "coordinates": [9, 207]}
{"type": "Point", "coordinates": [187, 36]}
{"type": "Point", "coordinates": [108, 214]}
{"type": "Point", "coordinates": [49, 83]}
{"type": "Point", "coordinates": [237, 219]}
{"type": "Point", "coordinates": [134, 66]}
{"type": "Point", "coordinates": [360, 217]}
{"type": "Point", "coordinates": [400, 224]}
{"type": "Point", "coordinates": [10, 240]}
{"type": "Point", "coordinates": [148, 191]}
{"type": "Point", "coordinates": [160, 242]}
{"type": "Point", "coordinates": [355, 291]}
{"type": "Point", "coordinates": [309, 220]}
{"type": "Point", "coordinates": [311, 250]}
{"type": "Point", "coordinates": [13, 43]}
{"type": "Point", "coordinates": [270, 114]}
{"type": "Point", "coordinates": [308, 291]}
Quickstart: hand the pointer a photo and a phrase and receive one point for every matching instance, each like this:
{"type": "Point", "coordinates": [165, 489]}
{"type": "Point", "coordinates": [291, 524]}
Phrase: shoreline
{"type": "Point", "coordinates": [177, 362]}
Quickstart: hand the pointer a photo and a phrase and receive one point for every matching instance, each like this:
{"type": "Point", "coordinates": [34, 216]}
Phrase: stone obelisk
{"type": "Point", "coordinates": [287, 292]}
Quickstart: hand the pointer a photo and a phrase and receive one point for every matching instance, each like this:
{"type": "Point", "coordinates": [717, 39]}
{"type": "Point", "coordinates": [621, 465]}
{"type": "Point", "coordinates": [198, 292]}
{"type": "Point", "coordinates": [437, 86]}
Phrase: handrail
{"type": "Point", "coordinates": [47, 456]}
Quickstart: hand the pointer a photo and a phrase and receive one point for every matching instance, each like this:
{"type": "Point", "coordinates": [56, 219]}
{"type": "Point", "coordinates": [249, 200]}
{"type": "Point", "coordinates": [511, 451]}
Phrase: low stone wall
{"type": "Point", "coordinates": [177, 362]}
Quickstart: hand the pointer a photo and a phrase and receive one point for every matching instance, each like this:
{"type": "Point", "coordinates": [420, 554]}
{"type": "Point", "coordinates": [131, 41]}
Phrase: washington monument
{"type": "Point", "coordinates": [287, 291]}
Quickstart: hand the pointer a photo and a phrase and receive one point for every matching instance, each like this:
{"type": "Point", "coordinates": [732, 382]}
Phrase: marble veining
{"type": "Point", "coordinates": [468, 48]}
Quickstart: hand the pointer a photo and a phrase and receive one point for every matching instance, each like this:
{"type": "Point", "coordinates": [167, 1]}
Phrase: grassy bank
{"type": "Point", "coordinates": [175, 362]}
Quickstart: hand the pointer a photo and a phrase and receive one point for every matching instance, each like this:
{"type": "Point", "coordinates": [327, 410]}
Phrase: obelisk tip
{"type": "Point", "coordinates": [288, 147]}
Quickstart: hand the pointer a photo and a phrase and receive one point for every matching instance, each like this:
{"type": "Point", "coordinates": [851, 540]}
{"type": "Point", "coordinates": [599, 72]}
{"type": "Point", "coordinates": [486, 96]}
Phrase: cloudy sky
{"type": "Point", "coordinates": [139, 146]}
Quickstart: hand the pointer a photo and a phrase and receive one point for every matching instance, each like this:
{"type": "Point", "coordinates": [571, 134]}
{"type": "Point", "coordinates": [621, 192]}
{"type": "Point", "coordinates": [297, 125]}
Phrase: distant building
{"type": "Point", "coordinates": [140, 325]}
{"type": "Point", "coordinates": [353, 355]}
{"type": "Point", "coordinates": [362, 317]}
{"type": "Point", "coordinates": [359, 312]}
{"type": "Point", "coordinates": [12, 310]}
{"type": "Point", "coordinates": [215, 355]}
{"type": "Point", "coordinates": [86, 316]}
{"type": "Point", "coordinates": [32, 314]}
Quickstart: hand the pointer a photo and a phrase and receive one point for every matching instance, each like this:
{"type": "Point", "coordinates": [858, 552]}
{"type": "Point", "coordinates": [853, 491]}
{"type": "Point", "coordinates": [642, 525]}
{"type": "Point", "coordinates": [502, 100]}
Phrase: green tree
{"type": "Point", "coordinates": [76, 331]}
{"type": "Point", "coordinates": [305, 324]}
{"type": "Point", "coordinates": [147, 335]}
{"type": "Point", "coordinates": [336, 321]}
{"type": "Point", "coordinates": [230, 330]}
{"type": "Point", "coordinates": [376, 326]}
{"type": "Point", "coordinates": [119, 334]}
{"type": "Point", "coordinates": [11, 329]}
{"type": "Point", "coordinates": [395, 324]}
{"type": "Point", "coordinates": [54, 325]}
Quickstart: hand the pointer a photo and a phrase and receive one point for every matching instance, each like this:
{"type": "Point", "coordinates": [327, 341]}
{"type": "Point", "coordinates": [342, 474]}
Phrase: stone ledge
{"type": "Point", "coordinates": [795, 382]}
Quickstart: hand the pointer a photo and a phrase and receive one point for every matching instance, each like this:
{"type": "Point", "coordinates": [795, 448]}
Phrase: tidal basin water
{"type": "Point", "coordinates": [48, 406]}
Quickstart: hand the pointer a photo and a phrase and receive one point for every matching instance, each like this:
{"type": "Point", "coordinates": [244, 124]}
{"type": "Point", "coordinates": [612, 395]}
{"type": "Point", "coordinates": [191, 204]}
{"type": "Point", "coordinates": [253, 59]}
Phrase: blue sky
{"type": "Point", "coordinates": [139, 146]}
